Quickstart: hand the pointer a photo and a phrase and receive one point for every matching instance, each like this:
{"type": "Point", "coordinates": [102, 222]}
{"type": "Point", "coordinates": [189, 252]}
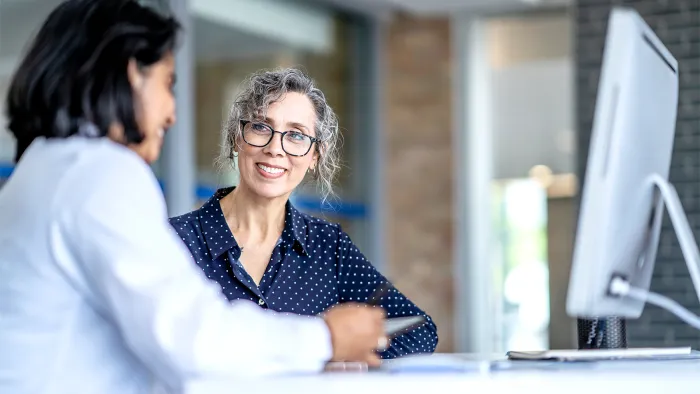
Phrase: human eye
{"type": "Point", "coordinates": [261, 128]}
{"type": "Point", "coordinates": [296, 136]}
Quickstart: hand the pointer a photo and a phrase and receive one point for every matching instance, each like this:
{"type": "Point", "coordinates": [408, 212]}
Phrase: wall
{"type": "Point", "coordinates": [560, 241]}
{"type": "Point", "coordinates": [530, 58]}
{"type": "Point", "coordinates": [419, 175]}
{"type": "Point", "coordinates": [677, 23]}
{"type": "Point", "coordinates": [533, 117]}
{"type": "Point", "coordinates": [530, 122]}
{"type": "Point", "coordinates": [524, 38]}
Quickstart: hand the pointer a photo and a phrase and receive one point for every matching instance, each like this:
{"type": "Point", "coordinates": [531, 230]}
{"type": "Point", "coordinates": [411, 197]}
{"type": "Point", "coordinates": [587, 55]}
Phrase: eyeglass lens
{"type": "Point", "coordinates": [260, 134]}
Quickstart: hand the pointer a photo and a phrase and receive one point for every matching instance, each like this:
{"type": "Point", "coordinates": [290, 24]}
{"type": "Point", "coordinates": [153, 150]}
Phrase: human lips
{"type": "Point", "coordinates": [270, 171]}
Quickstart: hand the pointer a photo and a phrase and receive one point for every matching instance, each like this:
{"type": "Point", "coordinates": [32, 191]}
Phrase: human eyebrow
{"type": "Point", "coordinates": [296, 125]}
{"type": "Point", "coordinates": [299, 126]}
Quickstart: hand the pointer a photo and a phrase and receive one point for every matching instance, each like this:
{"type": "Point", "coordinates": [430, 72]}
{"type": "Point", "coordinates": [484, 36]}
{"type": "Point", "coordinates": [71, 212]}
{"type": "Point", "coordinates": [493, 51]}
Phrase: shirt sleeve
{"type": "Point", "coordinates": [169, 314]}
{"type": "Point", "coordinates": [357, 280]}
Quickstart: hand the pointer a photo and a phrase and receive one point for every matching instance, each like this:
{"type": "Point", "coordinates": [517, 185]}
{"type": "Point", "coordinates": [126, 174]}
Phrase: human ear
{"type": "Point", "coordinates": [135, 76]}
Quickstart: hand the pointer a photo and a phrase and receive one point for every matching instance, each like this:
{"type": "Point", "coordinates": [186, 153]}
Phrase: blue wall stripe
{"type": "Point", "coordinates": [5, 171]}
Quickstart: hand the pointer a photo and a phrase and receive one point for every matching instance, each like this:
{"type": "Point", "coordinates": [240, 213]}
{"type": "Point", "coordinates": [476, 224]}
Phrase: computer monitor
{"type": "Point", "coordinates": [626, 183]}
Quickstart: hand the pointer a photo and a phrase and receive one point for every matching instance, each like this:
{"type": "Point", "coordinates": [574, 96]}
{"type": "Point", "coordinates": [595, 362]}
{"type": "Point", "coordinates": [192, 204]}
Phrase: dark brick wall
{"type": "Point", "coordinates": [677, 23]}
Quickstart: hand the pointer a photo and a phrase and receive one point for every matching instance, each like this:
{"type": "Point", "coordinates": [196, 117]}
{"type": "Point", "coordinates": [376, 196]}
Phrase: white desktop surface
{"type": "Point", "coordinates": [648, 377]}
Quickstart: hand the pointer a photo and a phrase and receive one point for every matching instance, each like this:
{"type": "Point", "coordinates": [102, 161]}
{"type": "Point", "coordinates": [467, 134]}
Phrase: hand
{"type": "Point", "coordinates": [357, 331]}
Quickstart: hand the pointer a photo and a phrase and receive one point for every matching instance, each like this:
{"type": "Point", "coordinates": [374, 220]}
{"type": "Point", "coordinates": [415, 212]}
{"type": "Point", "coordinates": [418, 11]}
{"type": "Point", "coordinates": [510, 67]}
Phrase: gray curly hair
{"type": "Point", "coordinates": [265, 87]}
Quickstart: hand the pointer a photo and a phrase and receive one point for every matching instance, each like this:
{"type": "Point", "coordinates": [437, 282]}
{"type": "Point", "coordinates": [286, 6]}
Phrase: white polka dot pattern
{"type": "Point", "coordinates": [314, 266]}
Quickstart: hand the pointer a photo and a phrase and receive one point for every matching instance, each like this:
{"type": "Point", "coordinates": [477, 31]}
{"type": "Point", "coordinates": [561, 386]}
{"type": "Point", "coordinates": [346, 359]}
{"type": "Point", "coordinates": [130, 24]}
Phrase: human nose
{"type": "Point", "coordinates": [274, 148]}
{"type": "Point", "coordinates": [171, 120]}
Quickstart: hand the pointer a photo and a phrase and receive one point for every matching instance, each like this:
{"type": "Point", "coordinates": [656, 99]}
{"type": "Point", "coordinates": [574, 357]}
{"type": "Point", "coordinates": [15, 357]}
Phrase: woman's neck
{"type": "Point", "coordinates": [251, 218]}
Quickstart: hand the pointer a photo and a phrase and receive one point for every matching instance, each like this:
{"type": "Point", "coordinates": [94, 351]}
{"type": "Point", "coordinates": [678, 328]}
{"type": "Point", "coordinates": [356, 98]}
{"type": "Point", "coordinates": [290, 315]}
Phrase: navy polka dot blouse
{"type": "Point", "coordinates": [314, 266]}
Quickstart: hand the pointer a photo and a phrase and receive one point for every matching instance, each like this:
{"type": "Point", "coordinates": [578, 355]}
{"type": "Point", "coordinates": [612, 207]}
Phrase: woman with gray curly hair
{"type": "Point", "coordinates": [256, 244]}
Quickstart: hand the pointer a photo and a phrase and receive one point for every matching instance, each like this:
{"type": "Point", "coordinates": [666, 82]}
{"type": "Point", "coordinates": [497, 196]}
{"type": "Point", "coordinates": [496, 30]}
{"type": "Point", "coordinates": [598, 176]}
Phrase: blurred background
{"type": "Point", "coordinates": [466, 127]}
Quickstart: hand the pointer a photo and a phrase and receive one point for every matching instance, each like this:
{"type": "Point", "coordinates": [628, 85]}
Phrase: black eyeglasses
{"type": "Point", "coordinates": [259, 134]}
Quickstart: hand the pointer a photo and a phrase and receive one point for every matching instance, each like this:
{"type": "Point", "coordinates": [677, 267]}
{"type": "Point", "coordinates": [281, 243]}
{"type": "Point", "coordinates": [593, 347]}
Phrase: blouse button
{"type": "Point", "coordinates": [261, 302]}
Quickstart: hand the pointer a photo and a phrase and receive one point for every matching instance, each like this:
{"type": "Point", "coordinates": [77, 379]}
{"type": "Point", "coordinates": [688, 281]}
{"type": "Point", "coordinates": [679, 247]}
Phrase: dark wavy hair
{"type": "Point", "coordinates": [75, 70]}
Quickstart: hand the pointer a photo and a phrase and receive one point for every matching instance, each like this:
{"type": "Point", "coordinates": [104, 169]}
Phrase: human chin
{"type": "Point", "coordinates": [146, 150]}
{"type": "Point", "coordinates": [270, 191]}
{"type": "Point", "coordinates": [268, 186]}
{"type": "Point", "coordinates": [151, 149]}
{"type": "Point", "coordinates": [154, 154]}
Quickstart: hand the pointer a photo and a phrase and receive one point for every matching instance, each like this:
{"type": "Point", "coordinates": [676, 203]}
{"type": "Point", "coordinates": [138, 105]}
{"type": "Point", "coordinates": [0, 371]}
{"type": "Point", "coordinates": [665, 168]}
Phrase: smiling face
{"type": "Point", "coordinates": [269, 171]}
{"type": "Point", "coordinates": [154, 103]}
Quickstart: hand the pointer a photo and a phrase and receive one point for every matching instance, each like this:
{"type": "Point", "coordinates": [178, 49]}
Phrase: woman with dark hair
{"type": "Point", "coordinates": [97, 293]}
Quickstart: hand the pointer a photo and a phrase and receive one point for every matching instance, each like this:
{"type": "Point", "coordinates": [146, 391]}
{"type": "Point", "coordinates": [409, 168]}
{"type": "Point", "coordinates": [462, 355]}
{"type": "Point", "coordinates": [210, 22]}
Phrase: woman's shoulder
{"type": "Point", "coordinates": [96, 168]}
{"type": "Point", "coordinates": [187, 226]}
{"type": "Point", "coordinates": [209, 212]}
{"type": "Point", "coordinates": [189, 218]}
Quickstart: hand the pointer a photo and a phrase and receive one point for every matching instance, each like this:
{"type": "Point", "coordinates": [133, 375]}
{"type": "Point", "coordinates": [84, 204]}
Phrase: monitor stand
{"type": "Point", "coordinates": [602, 333]}
{"type": "Point", "coordinates": [684, 233]}
{"type": "Point", "coordinates": [610, 332]}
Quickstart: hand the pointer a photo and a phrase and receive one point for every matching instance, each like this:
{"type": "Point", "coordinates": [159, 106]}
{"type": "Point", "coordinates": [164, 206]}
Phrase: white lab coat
{"type": "Point", "coordinates": [98, 295]}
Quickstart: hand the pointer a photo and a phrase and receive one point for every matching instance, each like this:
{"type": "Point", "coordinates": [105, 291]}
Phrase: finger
{"type": "Point", "coordinates": [373, 360]}
{"type": "Point", "coordinates": [379, 326]}
{"type": "Point", "coordinates": [378, 313]}
{"type": "Point", "coordinates": [383, 343]}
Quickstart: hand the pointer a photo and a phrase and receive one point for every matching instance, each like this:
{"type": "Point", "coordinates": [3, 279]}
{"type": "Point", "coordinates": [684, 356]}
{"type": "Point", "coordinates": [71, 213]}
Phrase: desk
{"type": "Point", "coordinates": [647, 377]}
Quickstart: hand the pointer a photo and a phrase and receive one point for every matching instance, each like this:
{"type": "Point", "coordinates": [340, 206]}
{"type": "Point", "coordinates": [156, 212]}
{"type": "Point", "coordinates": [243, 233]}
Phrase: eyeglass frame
{"type": "Point", "coordinates": [272, 136]}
